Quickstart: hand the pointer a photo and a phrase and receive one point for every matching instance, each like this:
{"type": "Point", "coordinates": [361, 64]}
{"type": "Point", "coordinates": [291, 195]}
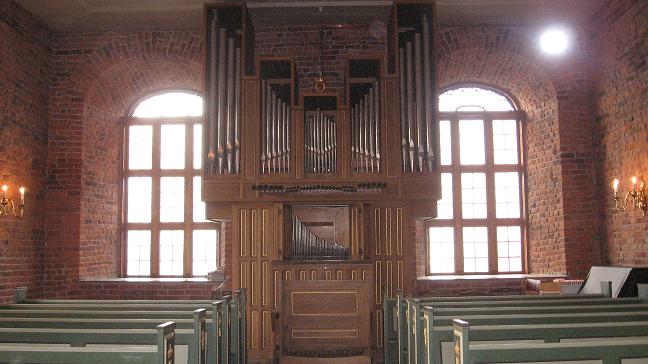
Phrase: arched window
{"type": "Point", "coordinates": [165, 231]}
{"type": "Point", "coordinates": [480, 227]}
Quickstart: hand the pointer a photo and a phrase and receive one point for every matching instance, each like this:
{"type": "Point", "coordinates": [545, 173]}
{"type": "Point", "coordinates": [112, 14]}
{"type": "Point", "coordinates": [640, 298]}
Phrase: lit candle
{"type": "Point", "coordinates": [4, 191]}
{"type": "Point", "coordinates": [22, 195]}
{"type": "Point", "coordinates": [634, 182]}
{"type": "Point", "coordinates": [615, 185]}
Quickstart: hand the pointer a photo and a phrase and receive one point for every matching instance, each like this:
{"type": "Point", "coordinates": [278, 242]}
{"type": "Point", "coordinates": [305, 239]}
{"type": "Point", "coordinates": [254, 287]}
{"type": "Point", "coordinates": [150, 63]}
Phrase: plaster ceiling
{"type": "Point", "coordinates": [93, 15]}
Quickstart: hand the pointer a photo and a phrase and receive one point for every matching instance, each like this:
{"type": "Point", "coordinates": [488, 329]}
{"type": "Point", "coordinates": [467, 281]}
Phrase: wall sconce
{"type": "Point", "coordinates": [635, 197]}
{"type": "Point", "coordinates": [7, 205]}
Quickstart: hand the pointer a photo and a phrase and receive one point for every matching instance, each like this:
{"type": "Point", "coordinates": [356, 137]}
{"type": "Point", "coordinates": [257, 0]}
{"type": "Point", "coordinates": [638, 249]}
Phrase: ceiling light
{"type": "Point", "coordinates": [554, 41]}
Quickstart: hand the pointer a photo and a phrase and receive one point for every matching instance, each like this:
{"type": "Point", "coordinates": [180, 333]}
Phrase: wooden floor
{"type": "Point", "coordinates": [349, 360]}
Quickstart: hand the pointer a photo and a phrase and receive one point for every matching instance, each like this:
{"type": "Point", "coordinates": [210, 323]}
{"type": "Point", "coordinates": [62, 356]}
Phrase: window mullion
{"type": "Point", "coordinates": [124, 203]}
{"type": "Point", "coordinates": [456, 193]}
{"type": "Point", "coordinates": [188, 218]}
{"type": "Point", "coordinates": [155, 203]}
{"type": "Point", "coordinates": [490, 194]}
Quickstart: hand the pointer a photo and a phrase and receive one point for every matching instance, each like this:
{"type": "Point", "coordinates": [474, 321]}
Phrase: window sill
{"type": "Point", "coordinates": [148, 279]}
{"type": "Point", "coordinates": [457, 277]}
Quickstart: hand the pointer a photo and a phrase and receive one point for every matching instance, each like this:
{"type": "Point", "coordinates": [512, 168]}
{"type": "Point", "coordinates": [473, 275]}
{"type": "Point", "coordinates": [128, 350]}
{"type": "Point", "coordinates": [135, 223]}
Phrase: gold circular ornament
{"type": "Point", "coordinates": [320, 85]}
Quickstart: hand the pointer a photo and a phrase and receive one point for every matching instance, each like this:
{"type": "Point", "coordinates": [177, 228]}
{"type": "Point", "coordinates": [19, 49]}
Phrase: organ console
{"type": "Point", "coordinates": [323, 187]}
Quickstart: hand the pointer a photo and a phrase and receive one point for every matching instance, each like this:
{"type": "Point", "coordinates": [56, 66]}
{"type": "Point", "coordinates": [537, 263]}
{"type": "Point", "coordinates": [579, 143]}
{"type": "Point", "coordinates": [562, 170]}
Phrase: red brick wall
{"type": "Point", "coordinates": [113, 290]}
{"type": "Point", "coordinates": [97, 79]}
{"type": "Point", "coordinates": [24, 76]}
{"type": "Point", "coordinates": [620, 37]}
{"type": "Point", "coordinates": [470, 287]}
{"type": "Point", "coordinates": [303, 42]}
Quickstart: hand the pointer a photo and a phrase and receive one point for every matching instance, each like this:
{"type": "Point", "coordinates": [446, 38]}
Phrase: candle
{"type": "Point", "coordinates": [4, 191]}
{"type": "Point", "coordinates": [22, 195]}
{"type": "Point", "coordinates": [634, 182]}
{"type": "Point", "coordinates": [615, 184]}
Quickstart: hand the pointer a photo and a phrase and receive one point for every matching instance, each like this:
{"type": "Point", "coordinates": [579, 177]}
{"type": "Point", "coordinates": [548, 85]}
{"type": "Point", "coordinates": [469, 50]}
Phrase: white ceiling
{"type": "Point", "coordinates": [90, 15]}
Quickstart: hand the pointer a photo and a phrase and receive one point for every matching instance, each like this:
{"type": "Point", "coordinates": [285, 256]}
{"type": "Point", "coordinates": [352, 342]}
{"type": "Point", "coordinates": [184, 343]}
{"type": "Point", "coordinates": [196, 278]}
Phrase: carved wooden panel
{"type": "Point", "coordinates": [391, 250]}
{"type": "Point", "coordinates": [325, 315]}
{"type": "Point", "coordinates": [255, 245]}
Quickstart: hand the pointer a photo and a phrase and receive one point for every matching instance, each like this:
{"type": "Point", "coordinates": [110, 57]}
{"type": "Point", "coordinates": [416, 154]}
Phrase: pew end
{"type": "Point", "coordinates": [166, 342]}
{"type": "Point", "coordinates": [21, 295]}
{"type": "Point", "coordinates": [461, 334]}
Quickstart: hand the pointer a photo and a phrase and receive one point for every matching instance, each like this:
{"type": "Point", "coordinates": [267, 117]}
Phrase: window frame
{"type": "Point", "coordinates": [155, 226]}
{"type": "Point", "coordinates": [457, 222]}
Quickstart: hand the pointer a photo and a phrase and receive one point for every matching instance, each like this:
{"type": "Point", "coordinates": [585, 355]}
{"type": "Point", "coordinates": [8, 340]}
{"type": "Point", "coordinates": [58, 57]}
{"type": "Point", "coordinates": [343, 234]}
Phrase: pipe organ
{"type": "Point", "coordinates": [322, 186]}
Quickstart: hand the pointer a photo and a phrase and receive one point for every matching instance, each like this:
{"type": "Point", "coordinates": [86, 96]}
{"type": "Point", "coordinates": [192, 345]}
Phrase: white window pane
{"type": "Point", "coordinates": [197, 152]}
{"type": "Point", "coordinates": [507, 195]}
{"type": "Point", "coordinates": [444, 205]}
{"type": "Point", "coordinates": [475, 248]}
{"type": "Point", "coordinates": [471, 142]}
{"type": "Point", "coordinates": [140, 147]}
{"type": "Point", "coordinates": [172, 147]}
{"type": "Point", "coordinates": [505, 141]}
{"type": "Point", "coordinates": [205, 243]}
{"type": "Point", "coordinates": [441, 240]}
{"type": "Point", "coordinates": [509, 249]}
{"type": "Point", "coordinates": [446, 142]}
{"type": "Point", "coordinates": [138, 252]}
{"type": "Point", "coordinates": [465, 98]}
{"type": "Point", "coordinates": [198, 204]}
{"type": "Point", "coordinates": [473, 195]}
{"type": "Point", "coordinates": [172, 199]}
{"type": "Point", "coordinates": [139, 199]}
{"type": "Point", "coordinates": [170, 104]}
{"type": "Point", "coordinates": [171, 252]}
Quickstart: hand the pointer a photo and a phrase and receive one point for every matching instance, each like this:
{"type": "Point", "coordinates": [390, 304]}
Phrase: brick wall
{"type": "Point", "coordinates": [114, 290]}
{"type": "Point", "coordinates": [470, 287]}
{"type": "Point", "coordinates": [619, 33]}
{"type": "Point", "coordinates": [96, 80]}
{"type": "Point", "coordinates": [24, 77]}
{"type": "Point", "coordinates": [303, 43]}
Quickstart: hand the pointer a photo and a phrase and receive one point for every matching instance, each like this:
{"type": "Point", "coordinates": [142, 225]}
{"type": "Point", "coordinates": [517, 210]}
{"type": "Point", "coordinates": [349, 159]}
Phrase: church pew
{"type": "Point", "coordinates": [430, 350]}
{"type": "Point", "coordinates": [229, 312]}
{"type": "Point", "coordinates": [608, 351]}
{"type": "Point", "coordinates": [195, 338]}
{"type": "Point", "coordinates": [163, 352]}
{"type": "Point", "coordinates": [415, 327]}
{"type": "Point", "coordinates": [395, 325]}
{"type": "Point", "coordinates": [399, 334]}
{"type": "Point", "coordinates": [106, 306]}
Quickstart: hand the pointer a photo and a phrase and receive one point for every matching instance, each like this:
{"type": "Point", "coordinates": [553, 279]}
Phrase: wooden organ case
{"type": "Point", "coordinates": [322, 186]}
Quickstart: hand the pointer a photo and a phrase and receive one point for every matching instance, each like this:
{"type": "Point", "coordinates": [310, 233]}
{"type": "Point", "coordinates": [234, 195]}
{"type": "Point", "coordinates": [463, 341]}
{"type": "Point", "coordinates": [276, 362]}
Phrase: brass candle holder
{"type": "Point", "coordinates": [7, 206]}
{"type": "Point", "coordinates": [636, 197]}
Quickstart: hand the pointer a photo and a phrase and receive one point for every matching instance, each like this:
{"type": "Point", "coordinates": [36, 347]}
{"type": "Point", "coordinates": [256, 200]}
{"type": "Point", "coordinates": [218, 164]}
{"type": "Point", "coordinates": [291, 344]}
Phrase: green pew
{"type": "Point", "coordinates": [162, 353]}
{"type": "Point", "coordinates": [608, 351]}
{"type": "Point", "coordinates": [195, 337]}
{"type": "Point", "coordinates": [228, 316]}
{"type": "Point", "coordinates": [395, 313]}
{"type": "Point", "coordinates": [414, 334]}
{"type": "Point", "coordinates": [400, 332]}
{"type": "Point", "coordinates": [87, 323]}
{"type": "Point", "coordinates": [430, 352]}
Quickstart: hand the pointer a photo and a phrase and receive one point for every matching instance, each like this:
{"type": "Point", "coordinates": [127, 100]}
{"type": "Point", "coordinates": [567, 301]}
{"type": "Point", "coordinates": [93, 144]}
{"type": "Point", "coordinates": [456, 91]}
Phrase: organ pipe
{"type": "Point", "coordinates": [416, 100]}
{"type": "Point", "coordinates": [224, 103]}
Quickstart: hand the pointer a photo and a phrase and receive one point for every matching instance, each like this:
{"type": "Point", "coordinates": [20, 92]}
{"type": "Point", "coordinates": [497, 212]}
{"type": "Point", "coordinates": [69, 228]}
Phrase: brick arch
{"type": "Point", "coordinates": [97, 93]}
{"type": "Point", "coordinates": [108, 102]}
{"type": "Point", "coordinates": [474, 60]}
{"type": "Point", "coordinates": [124, 50]}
